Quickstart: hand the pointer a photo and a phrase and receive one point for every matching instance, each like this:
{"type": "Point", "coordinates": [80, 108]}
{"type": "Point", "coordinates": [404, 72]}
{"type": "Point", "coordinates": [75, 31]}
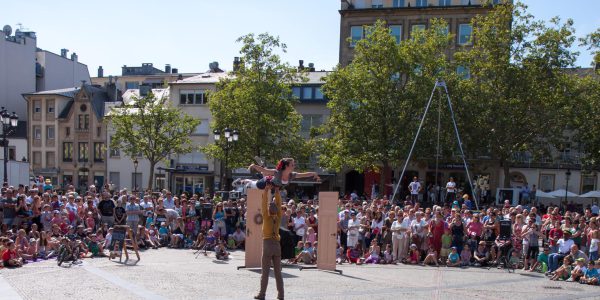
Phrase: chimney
{"type": "Point", "coordinates": [311, 67]}
{"type": "Point", "coordinates": [180, 77]}
{"type": "Point", "coordinates": [74, 57]}
{"type": "Point", "coordinates": [100, 72]}
{"type": "Point", "coordinates": [214, 66]}
{"type": "Point", "coordinates": [175, 70]}
{"type": "Point", "coordinates": [168, 68]}
{"type": "Point", "coordinates": [236, 64]}
{"type": "Point", "coordinates": [300, 65]}
{"type": "Point", "coordinates": [63, 52]}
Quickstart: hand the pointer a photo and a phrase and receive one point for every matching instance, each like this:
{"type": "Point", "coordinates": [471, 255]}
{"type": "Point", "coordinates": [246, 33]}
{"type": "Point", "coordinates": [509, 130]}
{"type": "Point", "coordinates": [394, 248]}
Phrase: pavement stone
{"type": "Point", "coordinates": [178, 274]}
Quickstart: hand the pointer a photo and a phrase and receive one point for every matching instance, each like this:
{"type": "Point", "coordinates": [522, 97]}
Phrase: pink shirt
{"type": "Point", "coordinates": [311, 237]}
{"type": "Point", "coordinates": [474, 228]}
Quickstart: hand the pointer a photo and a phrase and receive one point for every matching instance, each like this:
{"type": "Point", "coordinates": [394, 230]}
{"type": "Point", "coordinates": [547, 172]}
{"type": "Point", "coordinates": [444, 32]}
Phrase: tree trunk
{"type": "Point", "coordinates": [151, 179]}
{"type": "Point", "coordinates": [506, 169]}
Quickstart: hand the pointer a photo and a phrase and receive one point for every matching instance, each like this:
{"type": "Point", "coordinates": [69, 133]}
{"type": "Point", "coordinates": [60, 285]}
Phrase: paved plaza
{"type": "Point", "coordinates": [177, 274]}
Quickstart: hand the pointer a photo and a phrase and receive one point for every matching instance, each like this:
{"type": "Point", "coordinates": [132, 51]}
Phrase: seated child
{"type": "Point", "coordinates": [231, 244]}
{"type": "Point", "coordinates": [465, 256]}
{"type": "Point", "coordinates": [564, 271]}
{"type": "Point", "coordinates": [592, 275]}
{"type": "Point", "coordinates": [221, 252]}
{"type": "Point", "coordinates": [10, 258]}
{"type": "Point", "coordinates": [431, 257]}
{"type": "Point", "coordinates": [339, 254]}
{"type": "Point", "coordinates": [200, 241]}
{"type": "Point", "coordinates": [453, 258]}
{"type": "Point", "coordinates": [211, 241]}
{"type": "Point", "coordinates": [307, 254]}
{"type": "Point", "coordinates": [373, 257]}
{"type": "Point", "coordinates": [353, 254]}
{"type": "Point", "coordinates": [95, 248]}
{"type": "Point", "coordinates": [413, 255]}
{"type": "Point", "coordinates": [163, 233]}
{"type": "Point", "coordinates": [387, 255]}
{"type": "Point", "coordinates": [578, 270]}
{"type": "Point", "coordinates": [542, 259]}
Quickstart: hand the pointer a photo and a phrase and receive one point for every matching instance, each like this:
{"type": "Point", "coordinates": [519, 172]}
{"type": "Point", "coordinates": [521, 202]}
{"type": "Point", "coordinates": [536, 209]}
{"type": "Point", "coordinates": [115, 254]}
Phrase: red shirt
{"type": "Point", "coordinates": [9, 254]}
{"type": "Point", "coordinates": [556, 234]}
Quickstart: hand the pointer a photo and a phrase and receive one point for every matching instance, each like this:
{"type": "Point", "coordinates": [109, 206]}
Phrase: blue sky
{"type": "Point", "coordinates": [191, 34]}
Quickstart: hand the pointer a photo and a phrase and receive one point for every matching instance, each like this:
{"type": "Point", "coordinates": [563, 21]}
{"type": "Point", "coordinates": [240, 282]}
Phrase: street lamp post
{"type": "Point", "coordinates": [135, 165]}
{"type": "Point", "coordinates": [568, 176]}
{"type": "Point", "coordinates": [9, 124]}
{"type": "Point", "coordinates": [230, 136]}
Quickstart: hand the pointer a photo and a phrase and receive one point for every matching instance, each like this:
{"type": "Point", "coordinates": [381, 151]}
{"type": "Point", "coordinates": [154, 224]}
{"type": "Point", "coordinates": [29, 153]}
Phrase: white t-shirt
{"type": "Point", "coordinates": [414, 187]}
{"type": "Point", "coordinates": [239, 236]}
{"type": "Point", "coordinates": [299, 223]}
{"type": "Point", "coordinates": [451, 186]}
{"type": "Point", "coordinates": [353, 226]}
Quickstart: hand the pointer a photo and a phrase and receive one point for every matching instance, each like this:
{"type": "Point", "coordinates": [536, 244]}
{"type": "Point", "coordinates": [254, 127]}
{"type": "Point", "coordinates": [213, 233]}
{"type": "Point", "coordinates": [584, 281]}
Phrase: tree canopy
{"type": "Point", "coordinates": [152, 127]}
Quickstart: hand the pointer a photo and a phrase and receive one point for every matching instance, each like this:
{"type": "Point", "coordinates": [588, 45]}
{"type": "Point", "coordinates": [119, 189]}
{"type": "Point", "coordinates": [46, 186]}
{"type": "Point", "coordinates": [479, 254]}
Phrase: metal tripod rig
{"type": "Point", "coordinates": [441, 84]}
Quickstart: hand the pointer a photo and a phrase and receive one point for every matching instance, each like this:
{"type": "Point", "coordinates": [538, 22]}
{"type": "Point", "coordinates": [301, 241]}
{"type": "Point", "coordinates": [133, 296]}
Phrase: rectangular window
{"type": "Point", "coordinates": [37, 132]}
{"type": "Point", "coordinates": [67, 131]}
{"type": "Point", "coordinates": [50, 163]}
{"type": "Point", "coordinates": [464, 34]}
{"type": "Point", "coordinates": [398, 3]}
{"type": "Point", "coordinates": [356, 34]}
{"type": "Point", "coordinates": [84, 150]}
{"type": "Point", "coordinates": [37, 106]}
{"type": "Point", "coordinates": [421, 3]}
{"type": "Point", "coordinates": [445, 2]}
{"type": "Point", "coordinates": [115, 180]}
{"type": "Point", "coordinates": [132, 85]}
{"type": "Point", "coordinates": [68, 151]}
{"type": "Point", "coordinates": [37, 158]}
{"type": "Point", "coordinates": [307, 92]}
{"type": "Point", "coordinates": [99, 152]}
{"type": "Point", "coordinates": [98, 131]}
{"type": "Point", "coordinates": [188, 97]}
{"type": "Point", "coordinates": [12, 153]}
{"type": "Point", "coordinates": [546, 183]}
{"type": "Point", "coordinates": [463, 72]}
{"type": "Point", "coordinates": [83, 122]}
{"type": "Point", "coordinates": [296, 92]}
{"type": "Point", "coordinates": [50, 132]}
{"type": "Point", "coordinates": [309, 121]}
{"type": "Point", "coordinates": [377, 4]}
{"type": "Point", "coordinates": [588, 183]}
{"type": "Point", "coordinates": [114, 151]}
{"type": "Point", "coordinates": [51, 106]}
{"type": "Point", "coordinates": [318, 93]}
{"type": "Point", "coordinates": [396, 31]}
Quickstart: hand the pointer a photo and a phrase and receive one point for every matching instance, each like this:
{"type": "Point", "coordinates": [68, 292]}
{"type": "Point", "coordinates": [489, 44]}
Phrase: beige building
{"type": "Point", "coordinates": [67, 137]}
{"type": "Point", "coordinates": [404, 17]}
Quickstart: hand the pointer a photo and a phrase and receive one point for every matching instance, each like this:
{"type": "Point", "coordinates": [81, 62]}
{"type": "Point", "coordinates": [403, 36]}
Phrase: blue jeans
{"type": "Point", "coordinates": [594, 255]}
{"type": "Point", "coordinates": [553, 260]}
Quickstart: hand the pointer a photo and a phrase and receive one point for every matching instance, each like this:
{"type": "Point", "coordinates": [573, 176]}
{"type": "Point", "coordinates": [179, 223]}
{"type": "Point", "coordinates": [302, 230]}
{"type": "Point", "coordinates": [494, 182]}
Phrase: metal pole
{"type": "Point", "coordinates": [414, 141]}
{"type": "Point", "coordinates": [462, 152]}
{"type": "Point", "coordinates": [5, 143]}
{"type": "Point", "coordinates": [437, 153]}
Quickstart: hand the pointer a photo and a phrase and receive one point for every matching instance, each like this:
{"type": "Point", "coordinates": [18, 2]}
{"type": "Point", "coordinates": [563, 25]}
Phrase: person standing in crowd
{"type": "Point", "coordinates": [9, 204]}
{"type": "Point", "coordinates": [450, 191]}
{"type": "Point", "coordinates": [133, 212]}
{"type": "Point", "coordinates": [271, 250]}
{"type": "Point", "coordinates": [414, 188]}
{"type": "Point", "coordinates": [107, 210]}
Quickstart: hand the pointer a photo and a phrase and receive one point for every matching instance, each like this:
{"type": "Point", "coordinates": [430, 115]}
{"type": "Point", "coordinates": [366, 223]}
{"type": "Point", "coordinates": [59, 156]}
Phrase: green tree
{"type": "Point", "coordinates": [518, 91]}
{"type": "Point", "coordinates": [377, 100]}
{"type": "Point", "coordinates": [150, 126]}
{"type": "Point", "coordinates": [256, 100]}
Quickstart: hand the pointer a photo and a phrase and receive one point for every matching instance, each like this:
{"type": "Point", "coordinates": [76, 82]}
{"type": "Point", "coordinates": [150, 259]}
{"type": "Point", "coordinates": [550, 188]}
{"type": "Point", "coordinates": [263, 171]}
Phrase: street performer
{"type": "Point", "coordinates": [271, 250]}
